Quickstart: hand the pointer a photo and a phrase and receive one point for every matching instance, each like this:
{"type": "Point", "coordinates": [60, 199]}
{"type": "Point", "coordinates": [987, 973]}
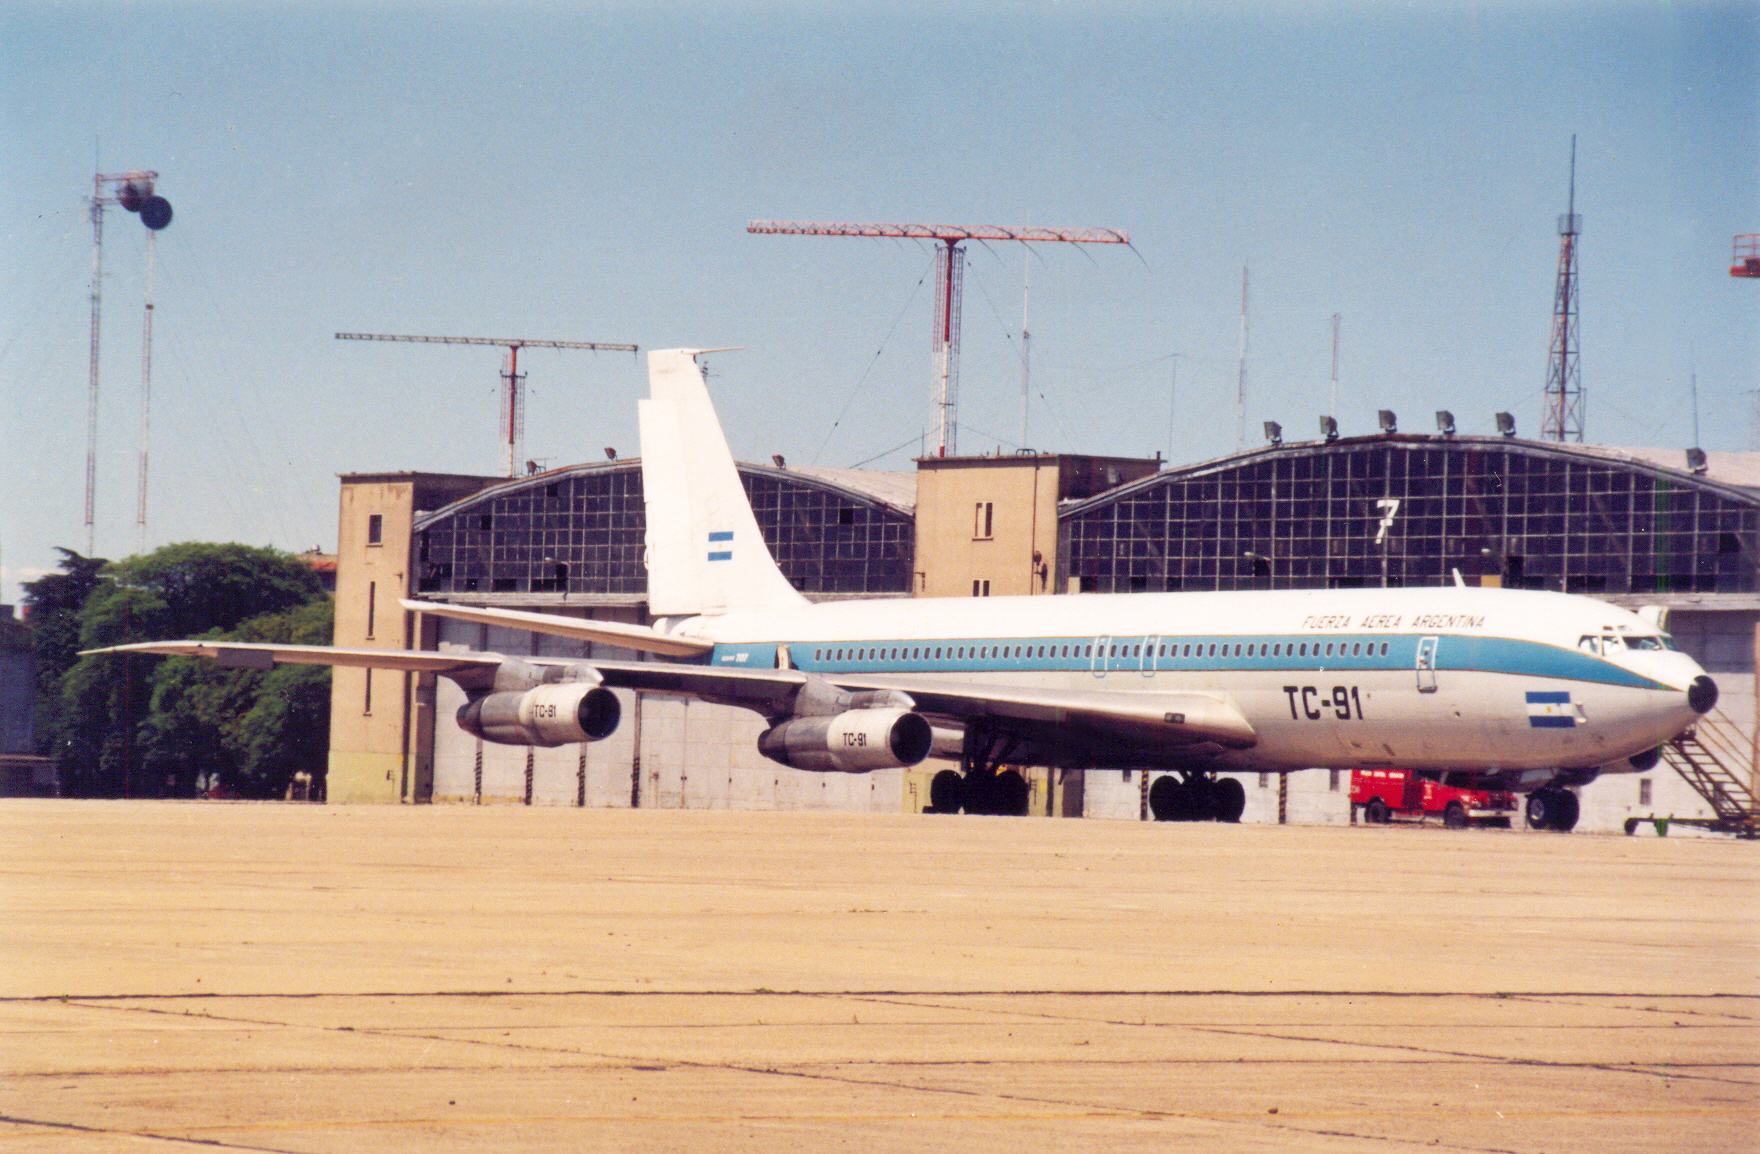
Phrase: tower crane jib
{"type": "Point", "coordinates": [949, 283]}
{"type": "Point", "coordinates": [512, 407]}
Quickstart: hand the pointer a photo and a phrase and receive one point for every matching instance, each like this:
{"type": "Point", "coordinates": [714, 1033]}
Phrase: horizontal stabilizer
{"type": "Point", "coordinates": [580, 628]}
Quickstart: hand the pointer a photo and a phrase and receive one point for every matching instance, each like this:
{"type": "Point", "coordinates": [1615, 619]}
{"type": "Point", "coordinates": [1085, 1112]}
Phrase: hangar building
{"type": "Point", "coordinates": [1639, 527]}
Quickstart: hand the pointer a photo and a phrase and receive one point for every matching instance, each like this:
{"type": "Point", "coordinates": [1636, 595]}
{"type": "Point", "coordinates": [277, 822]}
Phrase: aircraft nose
{"type": "Point", "coordinates": [1702, 694]}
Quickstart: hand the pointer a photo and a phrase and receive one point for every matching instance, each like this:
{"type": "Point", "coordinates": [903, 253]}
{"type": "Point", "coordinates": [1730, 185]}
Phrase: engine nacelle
{"type": "Point", "coordinates": [549, 715]}
{"type": "Point", "coordinates": [855, 741]}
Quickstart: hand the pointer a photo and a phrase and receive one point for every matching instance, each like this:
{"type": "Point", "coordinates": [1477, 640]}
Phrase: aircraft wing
{"type": "Point", "coordinates": [1149, 715]}
{"type": "Point", "coordinates": [1081, 722]}
{"type": "Point", "coordinates": [580, 628]}
{"type": "Point", "coordinates": [1060, 716]}
{"type": "Point", "coordinates": [252, 655]}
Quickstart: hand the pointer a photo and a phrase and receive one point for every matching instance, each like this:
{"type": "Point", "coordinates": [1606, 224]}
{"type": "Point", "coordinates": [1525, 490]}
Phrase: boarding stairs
{"type": "Point", "coordinates": [1717, 759]}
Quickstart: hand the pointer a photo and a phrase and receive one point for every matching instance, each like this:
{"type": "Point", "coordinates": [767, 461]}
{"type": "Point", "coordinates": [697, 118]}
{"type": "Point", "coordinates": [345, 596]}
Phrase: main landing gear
{"type": "Point", "coordinates": [1553, 808]}
{"type": "Point", "coordinates": [1197, 796]}
{"type": "Point", "coordinates": [981, 786]}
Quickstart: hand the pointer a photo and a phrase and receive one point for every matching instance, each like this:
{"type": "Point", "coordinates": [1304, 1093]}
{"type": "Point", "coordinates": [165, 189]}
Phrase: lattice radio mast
{"type": "Point", "coordinates": [133, 190]}
{"type": "Point", "coordinates": [1564, 385]}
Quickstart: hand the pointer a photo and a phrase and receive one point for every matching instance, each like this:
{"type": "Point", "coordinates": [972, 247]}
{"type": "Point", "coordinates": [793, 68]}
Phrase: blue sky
{"type": "Point", "coordinates": [586, 172]}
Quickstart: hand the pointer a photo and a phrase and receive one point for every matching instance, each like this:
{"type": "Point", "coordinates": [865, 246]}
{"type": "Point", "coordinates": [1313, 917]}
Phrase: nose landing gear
{"type": "Point", "coordinates": [1553, 808]}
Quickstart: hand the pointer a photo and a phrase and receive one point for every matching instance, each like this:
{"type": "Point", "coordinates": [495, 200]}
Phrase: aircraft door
{"type": "Point", "coordinates": [1097, 663]}
{"type": "Point", "coordinates": [1426, 664]}
{"type": "Point", "coordinates": [1147, 668]}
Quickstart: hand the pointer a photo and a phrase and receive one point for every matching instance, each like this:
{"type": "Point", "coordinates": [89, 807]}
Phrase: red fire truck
{"type": "Point", "coordinates": [1386, 794]}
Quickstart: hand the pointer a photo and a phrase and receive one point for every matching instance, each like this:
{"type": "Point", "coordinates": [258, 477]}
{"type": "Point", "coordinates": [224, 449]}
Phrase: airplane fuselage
{"type": "Point", "coordinates": [1430, 678]}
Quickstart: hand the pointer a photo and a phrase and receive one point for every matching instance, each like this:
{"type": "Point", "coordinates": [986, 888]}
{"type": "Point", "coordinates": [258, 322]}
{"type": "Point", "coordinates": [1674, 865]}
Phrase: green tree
{"type": "Point", "coordinates": [239, 730]}
{"type": "Point", "coordinates": [177, 591]}
{"type": "Point", "coordinates": [52, 604]}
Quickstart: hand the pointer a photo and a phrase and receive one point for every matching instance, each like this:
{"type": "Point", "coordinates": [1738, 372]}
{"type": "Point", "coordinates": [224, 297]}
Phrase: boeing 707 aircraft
{"type": "Point", "coordinates": [1492, 688]}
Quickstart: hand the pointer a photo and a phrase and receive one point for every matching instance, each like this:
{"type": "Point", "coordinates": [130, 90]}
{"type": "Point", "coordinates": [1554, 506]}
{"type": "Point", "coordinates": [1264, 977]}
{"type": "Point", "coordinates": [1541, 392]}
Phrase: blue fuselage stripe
{"type": "Point", "coordinates": [1380, 652]}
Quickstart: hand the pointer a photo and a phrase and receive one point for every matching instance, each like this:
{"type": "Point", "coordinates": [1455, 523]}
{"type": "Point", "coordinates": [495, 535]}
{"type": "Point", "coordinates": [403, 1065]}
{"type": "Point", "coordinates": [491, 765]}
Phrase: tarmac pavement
{"type": "Point", "coordinates": [296, 978]}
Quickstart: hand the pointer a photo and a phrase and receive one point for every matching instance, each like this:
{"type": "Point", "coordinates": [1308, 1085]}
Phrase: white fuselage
{"type": "Point", "coordinates": [1432, 678]}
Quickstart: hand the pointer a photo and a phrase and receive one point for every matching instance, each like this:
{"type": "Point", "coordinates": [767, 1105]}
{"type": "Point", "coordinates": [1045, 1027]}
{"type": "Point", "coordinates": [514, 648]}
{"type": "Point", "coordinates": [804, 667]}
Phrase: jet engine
{"type": "Point", "coordinates": [855, 741]}
{"type": "Point", "coordinates": [549, 715]}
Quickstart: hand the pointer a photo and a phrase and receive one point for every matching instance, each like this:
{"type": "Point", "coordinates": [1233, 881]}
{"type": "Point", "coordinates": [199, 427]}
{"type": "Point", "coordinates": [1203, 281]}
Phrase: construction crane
{"type": "Point", "coordinates": [513, 416]}
{"type": "Point", "coordinates": [949, 279]}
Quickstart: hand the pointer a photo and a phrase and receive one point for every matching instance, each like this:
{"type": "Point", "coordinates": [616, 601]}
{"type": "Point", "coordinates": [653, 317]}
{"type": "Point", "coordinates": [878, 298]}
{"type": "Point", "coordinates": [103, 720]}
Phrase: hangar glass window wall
{"type": "Point", "coordinates": [1401, 513]}
{"type": "Point", "coordinates": [583, 531]}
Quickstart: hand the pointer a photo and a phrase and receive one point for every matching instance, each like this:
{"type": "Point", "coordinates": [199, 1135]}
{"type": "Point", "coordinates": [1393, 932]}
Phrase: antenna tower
{"type": "Point", "coordinates": [133, 190]}
{"type": "Point", "coordinates": [1563, 420]}
{"type": "Point", "coordinates": [513, 414]}
{"type": "Point", "coordinates": [1026, 347]}
{"type": "Point", "coordinates": [1240, 396]}
{"type": "Point", "coordinates": [950, 265]}
{"type": "Point", "coordinates": [1332, 394]}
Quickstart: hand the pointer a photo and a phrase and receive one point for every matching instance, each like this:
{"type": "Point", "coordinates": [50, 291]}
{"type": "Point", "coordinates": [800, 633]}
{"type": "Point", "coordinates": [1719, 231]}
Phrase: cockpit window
{"type": "Point", "coordinates": [1648, 643]}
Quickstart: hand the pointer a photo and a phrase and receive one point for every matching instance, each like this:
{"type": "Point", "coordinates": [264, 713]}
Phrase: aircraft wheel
{"type": "Point", "coordinates": [1011, 794]}
{"type": "Point", "coordinates": [1163, 797]}
{"type": "Point", "coordinates": [1455, 816]}
{"type": "Point", "coordinates": [1567, 811]}
{"type": "Point", "coordinates": [1195, 802]}
{"type": "Point", "coordinates": [946, 791]}
{"type": "Point", "coordinates": [1552, 809]}
{"type": "Point", "coordinates": [980, 794]}
{"type": "Point", "coordinates": [1229, 798]}
{"type": "Point", "coordinates": [1375, 813]}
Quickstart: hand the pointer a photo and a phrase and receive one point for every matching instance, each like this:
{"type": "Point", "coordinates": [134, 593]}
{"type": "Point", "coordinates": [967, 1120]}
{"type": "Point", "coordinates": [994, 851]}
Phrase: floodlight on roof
{"type": "Point", "coordinates": [1329, 429]}
{"type": "Point", "coordinates": [1274, 433]}
{"type": "Point", "coordinates": [1445, 422]}
{"type": "Point", "coordinates": [1506, 424]}
{"type": "Point", "coordinates": [1696, 460]}
{"type": "Point", "coordinates": [1389, 423]}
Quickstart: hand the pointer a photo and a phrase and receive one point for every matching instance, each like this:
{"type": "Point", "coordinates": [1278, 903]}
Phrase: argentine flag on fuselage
{"type": "Point", "coordinates": [1550, 709]}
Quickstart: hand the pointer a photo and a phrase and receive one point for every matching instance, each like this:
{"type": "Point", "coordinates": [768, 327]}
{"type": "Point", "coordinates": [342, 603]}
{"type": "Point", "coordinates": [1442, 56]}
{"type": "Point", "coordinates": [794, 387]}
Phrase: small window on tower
{"type": "Point", "coordinates": [375, 528]}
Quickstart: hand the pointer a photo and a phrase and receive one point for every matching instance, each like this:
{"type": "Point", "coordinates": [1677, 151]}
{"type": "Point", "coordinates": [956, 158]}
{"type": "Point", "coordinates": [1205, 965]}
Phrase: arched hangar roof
{"type": "Point", "coordinates": [578, 534]}
{"type": "Point", "coordinates": [1412, 510]}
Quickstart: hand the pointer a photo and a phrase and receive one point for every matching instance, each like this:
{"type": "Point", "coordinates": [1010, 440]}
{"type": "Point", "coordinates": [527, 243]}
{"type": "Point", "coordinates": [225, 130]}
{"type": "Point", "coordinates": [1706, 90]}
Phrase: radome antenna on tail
{"type": "Point", "coordinates": [705, 553]}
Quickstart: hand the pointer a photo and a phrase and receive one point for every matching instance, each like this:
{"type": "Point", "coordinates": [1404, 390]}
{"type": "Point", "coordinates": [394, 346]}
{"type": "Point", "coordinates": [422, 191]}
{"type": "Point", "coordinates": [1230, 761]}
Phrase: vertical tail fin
{"type": "Point", "coordinates": [705, 554]}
